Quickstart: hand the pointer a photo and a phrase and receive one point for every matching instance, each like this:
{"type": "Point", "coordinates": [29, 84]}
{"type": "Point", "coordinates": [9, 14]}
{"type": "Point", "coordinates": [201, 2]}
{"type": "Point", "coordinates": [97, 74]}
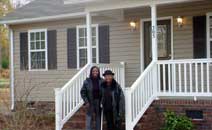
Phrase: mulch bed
{"type": "Point", "coordinates": [38, 122]}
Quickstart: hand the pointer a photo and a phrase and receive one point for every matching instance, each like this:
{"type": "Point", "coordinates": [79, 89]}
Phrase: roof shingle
{"type": "Point", "coordinates": [42, 8]}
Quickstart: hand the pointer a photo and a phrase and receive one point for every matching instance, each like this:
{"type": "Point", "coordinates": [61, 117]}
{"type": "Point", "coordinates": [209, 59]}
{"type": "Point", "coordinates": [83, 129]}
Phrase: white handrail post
{"type": "Point", "coordinates": [89, 37]}
{"type": "Point", "coordinates": [155, 83]}
{"type": "Point", "coordinates": [123, 74]}
{"type": "Point", "coordinates": [128, 109]}
{"type": "Point", "coordinates": [58, 109]}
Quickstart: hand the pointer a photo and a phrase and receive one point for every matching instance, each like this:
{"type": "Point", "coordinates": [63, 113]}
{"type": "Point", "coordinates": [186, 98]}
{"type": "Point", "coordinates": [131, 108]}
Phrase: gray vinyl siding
{"type": "Point", "coordinates": [124, 46]}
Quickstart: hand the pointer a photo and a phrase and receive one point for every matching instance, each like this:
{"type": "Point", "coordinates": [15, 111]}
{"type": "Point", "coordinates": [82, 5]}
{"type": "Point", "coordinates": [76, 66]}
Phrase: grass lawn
{"type": "Point", "coordinates": [4, 83]}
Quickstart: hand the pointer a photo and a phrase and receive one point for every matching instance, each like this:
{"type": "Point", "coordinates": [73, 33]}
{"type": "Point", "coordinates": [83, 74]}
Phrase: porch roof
{"type": "Point", "coordinates": [48, 10]}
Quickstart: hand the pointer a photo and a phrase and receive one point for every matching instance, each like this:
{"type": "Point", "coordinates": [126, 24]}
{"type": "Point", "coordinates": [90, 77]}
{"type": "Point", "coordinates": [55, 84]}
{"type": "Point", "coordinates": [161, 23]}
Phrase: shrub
{"type": "Point", "coordinates": [5, 74]}
{"type": "Point", "coordinates": [5, 63]}
{"type": "Point", "coordinates": [177, 122]}
{"type": "Point", "coordinates": [26, 119]}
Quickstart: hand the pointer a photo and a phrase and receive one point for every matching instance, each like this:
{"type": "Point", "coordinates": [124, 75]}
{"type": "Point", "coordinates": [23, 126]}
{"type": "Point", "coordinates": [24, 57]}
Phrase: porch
{"type": "Point", "coordinates": [163, 74]}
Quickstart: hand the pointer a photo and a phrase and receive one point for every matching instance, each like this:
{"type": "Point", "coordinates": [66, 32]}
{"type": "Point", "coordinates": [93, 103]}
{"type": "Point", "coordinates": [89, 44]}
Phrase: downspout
{"type": "Point", "coordinates": [12, 93]}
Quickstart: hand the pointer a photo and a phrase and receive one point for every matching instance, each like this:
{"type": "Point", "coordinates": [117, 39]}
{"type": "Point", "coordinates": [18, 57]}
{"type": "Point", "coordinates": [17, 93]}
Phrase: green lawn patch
{"type": "Point", "coordinates": [4, 83]}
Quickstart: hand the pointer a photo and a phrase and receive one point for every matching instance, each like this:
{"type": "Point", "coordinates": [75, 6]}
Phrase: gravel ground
{"type": "Point", "coordinates": [4, 99]}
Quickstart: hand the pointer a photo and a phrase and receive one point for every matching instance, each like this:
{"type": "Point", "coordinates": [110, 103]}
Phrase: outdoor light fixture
{"type": "Point", "coordinates": [179, 21]}
{"type": "Point", "coordinates": [133, 25]}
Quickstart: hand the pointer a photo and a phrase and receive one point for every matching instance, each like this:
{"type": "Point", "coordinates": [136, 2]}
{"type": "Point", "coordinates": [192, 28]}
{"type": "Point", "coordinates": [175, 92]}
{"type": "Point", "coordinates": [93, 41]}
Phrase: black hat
{"type": "Point", "coordinates": [108, 72]}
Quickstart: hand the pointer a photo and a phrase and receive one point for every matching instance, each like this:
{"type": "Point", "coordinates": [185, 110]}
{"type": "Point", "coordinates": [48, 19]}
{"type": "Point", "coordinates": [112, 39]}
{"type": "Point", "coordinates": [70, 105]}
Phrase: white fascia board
{"type": "Point", "coordinates": [79, 1]}
{"type": "Point", "coordinates": [42, 19]}
{"type": "Point", "coordinates": [122, 4]}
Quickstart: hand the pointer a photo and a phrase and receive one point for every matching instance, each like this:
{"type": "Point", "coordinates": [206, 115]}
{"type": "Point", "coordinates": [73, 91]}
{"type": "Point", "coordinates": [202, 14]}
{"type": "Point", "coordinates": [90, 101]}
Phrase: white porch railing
{"type": "Point", "coordinates": [118, 69]}
{"type": "Point", "coordinates": [140, 95]}
{"type": "Point", "coordinates": [185, 77]}
{"type": "Point", "coordinates": [68, 99]}
{"type": "Point", "coordinates": [167, 78]}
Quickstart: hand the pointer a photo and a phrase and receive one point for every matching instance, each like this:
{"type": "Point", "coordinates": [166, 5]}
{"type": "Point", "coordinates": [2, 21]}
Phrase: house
{"type": "Point", "coordinates": [160, 51]}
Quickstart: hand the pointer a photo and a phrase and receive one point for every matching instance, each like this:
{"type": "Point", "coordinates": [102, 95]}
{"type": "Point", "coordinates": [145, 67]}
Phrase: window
{"type": "Point", "coordinates": [82, 45]}
{"type": "Point", "coordinates": [209, 35]}
{"type": "Point", "coordinates": [37, 49]}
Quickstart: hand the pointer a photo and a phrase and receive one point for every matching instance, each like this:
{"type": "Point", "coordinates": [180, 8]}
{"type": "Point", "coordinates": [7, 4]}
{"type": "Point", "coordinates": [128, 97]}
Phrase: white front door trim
{"type": "Point", "coordinates": [142, 38]}
{"type": "Point", "coordinates": [208, 44]}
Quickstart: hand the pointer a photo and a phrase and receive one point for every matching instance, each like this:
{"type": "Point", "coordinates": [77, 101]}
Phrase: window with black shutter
{"type": "Point", "coordinates": [52, 49]}
{"type": "Point", "coordinates": [209, 32]}
{"type": "Point", "coordinates": [24, 51]}
{"type": "Point", "coordinates": [38, 49]}
{"type": "Point", "coordinates": [77, 45]}
{"type": "Point", "coordinates": [104, 44]}
{"type": "Point", "coordinates": [82, 45]}
{"type": "Point", "coordinates": [72, 48]}
{"type": "Point", "coordinates": [199, 37]}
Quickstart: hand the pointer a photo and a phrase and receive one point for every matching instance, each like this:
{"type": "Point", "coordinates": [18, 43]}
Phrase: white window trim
{"type": "Point", "coordinates": [208, 35]}
{"type": "Point", "coordinates": [29, 50]}
{"type": "Point", "coordinates": [97, 43]}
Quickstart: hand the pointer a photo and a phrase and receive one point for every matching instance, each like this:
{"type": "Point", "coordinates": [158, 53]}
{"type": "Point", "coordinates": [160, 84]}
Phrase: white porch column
{"type": "Point", "coordinates": [154, 46]}
{"type": "Point", "coordinates": [89, 37]}
{"type": "Point", "coordinates": [154, 32]}
{"type": "Point", "coordinates": [12, 69]}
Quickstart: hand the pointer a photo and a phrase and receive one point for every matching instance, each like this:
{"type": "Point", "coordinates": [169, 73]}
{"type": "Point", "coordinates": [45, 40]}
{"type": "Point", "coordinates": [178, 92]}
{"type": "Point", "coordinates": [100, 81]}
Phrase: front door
{"type": "Point", "coordinates": [164, 41]}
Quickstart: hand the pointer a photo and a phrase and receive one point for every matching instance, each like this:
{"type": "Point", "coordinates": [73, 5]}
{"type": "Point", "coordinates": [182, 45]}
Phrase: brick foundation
{"type": "Point", "coordinates": [39, 107]}
{"type": "Point", "coordinates": [153, 118]}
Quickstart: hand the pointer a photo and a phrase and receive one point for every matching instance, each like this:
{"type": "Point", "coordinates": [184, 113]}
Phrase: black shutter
{"type": "Point", "coordinates": [199, 36]}
{"type": "Point", "coordinates": [24, 51]}
{"type": "Point", "coordinates": [72, 48]}
{"type": "Point", "coordinates": [52, 49]}
{"type": "Point", "coordinates": [104, 46]}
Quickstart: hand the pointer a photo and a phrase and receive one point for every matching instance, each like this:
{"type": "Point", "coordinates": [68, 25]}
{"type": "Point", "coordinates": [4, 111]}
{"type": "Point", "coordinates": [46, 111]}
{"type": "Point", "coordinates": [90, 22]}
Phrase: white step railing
{"type": "Point", "coordinates": [140, 95]}
{"type": "Point", "coordinates": [185, 77]}
{"type": "Point", "coordinates": [118, 69]}
{"type": "Point", "coordinates": [161, 78]}
{"type": "Point", "coordinates": [68, 99]}
{"type": "Point", "coordinates": [167, 78]}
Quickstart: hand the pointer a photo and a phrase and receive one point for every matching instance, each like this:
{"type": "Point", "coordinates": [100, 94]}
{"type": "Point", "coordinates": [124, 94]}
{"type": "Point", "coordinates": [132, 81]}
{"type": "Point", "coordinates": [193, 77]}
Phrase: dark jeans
{"type": "Point", "coordinates": [111, 123]}
{"type": "Point", "coordinates": [94, 109]}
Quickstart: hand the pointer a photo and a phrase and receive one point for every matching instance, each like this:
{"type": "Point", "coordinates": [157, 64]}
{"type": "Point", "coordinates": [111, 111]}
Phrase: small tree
{"type": "Point", "coordinates": [177, 122]}
{"type": "Point", "coordinates": [24, 117]}
{"type": "Point", "coordinates": [5, 7]}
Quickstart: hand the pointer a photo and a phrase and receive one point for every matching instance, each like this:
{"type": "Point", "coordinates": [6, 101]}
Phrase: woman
{"type": "Point", "coordinates": [91, 94]}
{"type": "Point", "coordinates": [112, 101]}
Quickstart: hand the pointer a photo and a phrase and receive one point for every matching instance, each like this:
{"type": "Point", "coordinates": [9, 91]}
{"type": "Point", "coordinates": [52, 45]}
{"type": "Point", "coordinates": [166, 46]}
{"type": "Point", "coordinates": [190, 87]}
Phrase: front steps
{"type": "Point", "coordinates": [77, 122]}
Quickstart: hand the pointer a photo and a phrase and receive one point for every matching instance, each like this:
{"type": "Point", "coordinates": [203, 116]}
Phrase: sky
{"type": "Point", "coordinates": [22, 2]}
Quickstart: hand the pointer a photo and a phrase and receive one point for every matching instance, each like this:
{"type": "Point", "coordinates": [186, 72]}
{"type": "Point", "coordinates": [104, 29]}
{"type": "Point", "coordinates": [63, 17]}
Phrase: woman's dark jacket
{"type": "Point", "coordinates": [87, 90]}
{"type": "Point", "coordinates": [118, 100]}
